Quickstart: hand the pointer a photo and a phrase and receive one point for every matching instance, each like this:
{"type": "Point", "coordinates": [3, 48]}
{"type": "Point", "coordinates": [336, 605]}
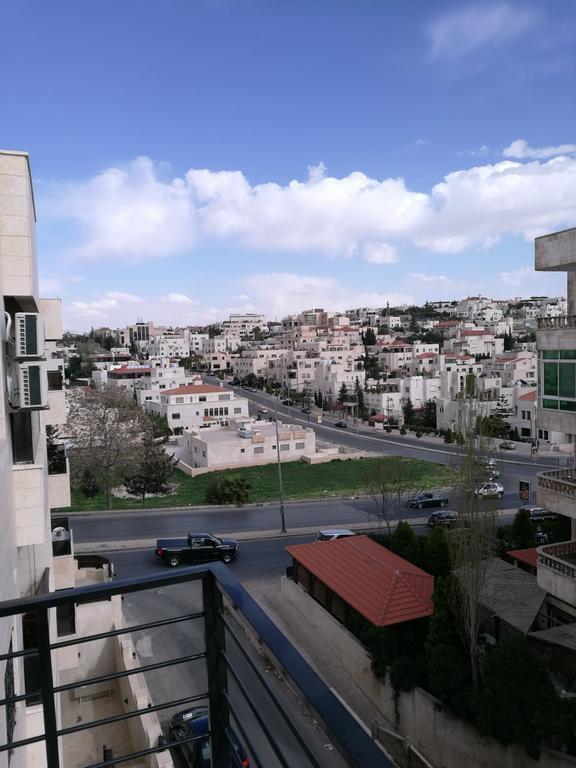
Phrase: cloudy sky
{"type": "Point", "coordinates": [197, 157]}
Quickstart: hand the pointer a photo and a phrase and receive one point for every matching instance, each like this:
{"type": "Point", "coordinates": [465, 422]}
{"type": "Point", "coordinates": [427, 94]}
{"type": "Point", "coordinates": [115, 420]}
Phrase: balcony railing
{"type": "Point", "coordinates": [232, 684]}
{"type": "Point", "coordinates": [559, 480]}
{"type": "Point", "coordinates": [556, 323]}
{"type": "Point", "coordinates": [555, 557]}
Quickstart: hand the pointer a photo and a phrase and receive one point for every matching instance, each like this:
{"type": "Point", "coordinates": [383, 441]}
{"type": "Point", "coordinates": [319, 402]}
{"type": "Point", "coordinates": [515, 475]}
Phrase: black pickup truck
{"type": "Point", "coordinates": [196, 548]}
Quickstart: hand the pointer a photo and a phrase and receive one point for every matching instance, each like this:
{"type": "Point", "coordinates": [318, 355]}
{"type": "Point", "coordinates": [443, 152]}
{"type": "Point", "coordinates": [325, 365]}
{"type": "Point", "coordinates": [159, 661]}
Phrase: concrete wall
{"type": "Point", "coordinates": [444, 740]}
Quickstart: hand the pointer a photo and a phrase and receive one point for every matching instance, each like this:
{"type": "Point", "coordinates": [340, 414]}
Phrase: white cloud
{"type": "Point", "coordinates": [127, 298]}
{"type": "Point", "coordinates": [280, 293]}
{"type": "Point", "coordinates": [520, 276]}
{"type": "Point", "coordinates": [416, 144]}
{"type": "Point", "coordinates": [379, 253]}
{"type": "Point", "coordinates": [127, 212]}
{"type": "Point", "coordinates": [350, 216]}
{"type": "Point", "coordinates": [521, 150]}
{"type": "Point", "coordinates": [476, 26]}
{"type": "Point", "coordinates": [482, 151]}
{"type": "Point", "coordinates": [177, 298]}
{"type": "Point", "coordinates": [423, 278]}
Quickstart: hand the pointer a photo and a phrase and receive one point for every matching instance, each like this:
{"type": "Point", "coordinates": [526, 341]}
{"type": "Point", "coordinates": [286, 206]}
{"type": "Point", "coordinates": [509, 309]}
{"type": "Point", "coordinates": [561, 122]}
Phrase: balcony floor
{"type": "Point", "coordinates": [85, 748]}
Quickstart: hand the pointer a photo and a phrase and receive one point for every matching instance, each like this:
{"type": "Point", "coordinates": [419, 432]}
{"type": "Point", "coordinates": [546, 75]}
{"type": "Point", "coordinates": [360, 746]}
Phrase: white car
{"type": "Point", "coordinates": [490, 491]}
{"type": "Point", "coordinates": [330, 534]}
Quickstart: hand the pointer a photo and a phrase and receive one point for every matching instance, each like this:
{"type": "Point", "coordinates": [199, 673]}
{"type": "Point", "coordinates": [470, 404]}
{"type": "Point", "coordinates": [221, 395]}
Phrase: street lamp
{"type": "Point", "coordinates": [280, 489]}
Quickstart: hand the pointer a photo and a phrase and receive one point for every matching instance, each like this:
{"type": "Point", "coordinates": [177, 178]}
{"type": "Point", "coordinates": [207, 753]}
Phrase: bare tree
{"type": "Point", "coordinates": [105, 429]}
{"type": "Point", "coordinates": [387, 482]}
{"type": "Point", "coordinates": [471, 542]}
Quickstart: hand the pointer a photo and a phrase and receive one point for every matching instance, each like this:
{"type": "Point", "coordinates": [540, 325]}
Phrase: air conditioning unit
{"type": "Point", "coordinates": [28, 335]}
{"type": "Point", "coordinates": [28, 385]}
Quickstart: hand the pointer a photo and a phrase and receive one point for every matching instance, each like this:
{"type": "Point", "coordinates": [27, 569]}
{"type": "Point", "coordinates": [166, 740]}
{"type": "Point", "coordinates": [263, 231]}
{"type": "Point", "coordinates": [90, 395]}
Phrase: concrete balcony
{"type": "Point", "coordinates": [57, 407]}
{"type": "Point", "coordinates": [59, 489]}
{"type": "Point", "coordinates": [556, 323]}
{"type": "Point", "coordinates": [557, 491]}
{"type": "Point", "coordinates": [556, 251]}
{"type": "Point", "coordinates": [557, 570]}
{"type": "Point", "coordinates": [29, 503]}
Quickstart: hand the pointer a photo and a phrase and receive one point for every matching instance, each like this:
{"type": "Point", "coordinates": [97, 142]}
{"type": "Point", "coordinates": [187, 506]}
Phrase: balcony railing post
{"type": "Point", "coordinates": [47, 687]}
{"type": "Point", "coordinates": [216, 669]}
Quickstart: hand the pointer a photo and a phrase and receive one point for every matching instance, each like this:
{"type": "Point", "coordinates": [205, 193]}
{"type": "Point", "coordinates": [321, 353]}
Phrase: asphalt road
{"type": "Point", "coordinates": [189, 678]}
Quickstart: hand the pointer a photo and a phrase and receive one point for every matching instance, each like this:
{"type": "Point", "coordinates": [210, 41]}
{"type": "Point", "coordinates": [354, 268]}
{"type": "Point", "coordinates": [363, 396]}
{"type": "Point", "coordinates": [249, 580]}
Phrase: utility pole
{"type": "Point", "coordinates": [280, 489]}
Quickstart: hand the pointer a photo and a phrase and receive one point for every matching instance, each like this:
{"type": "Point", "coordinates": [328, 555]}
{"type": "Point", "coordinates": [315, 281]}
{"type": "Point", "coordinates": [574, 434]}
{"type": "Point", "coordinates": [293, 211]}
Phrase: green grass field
{"type": "Point", "coordinates": [300, 481]}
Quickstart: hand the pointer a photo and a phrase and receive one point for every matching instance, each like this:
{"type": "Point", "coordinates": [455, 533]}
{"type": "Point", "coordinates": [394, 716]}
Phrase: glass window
{"type": "Point", "coordinates": [550, 354]}
{"type": "Point", "coordinates": [259, 449]}
{"type": "Point", "coordinates": [551, 379]}
{"type": "Point", "coordinates": [175, 415]}
{"type": "Point", "coordinates": [567, 354]}
{"type": "Point", "coordinates": [285, 447]}
{"type": "Point", "coordinates": [567, 381]}
{"type": "Point", "coordinates": [300, 446]}
{"type": "Point", "coordinates": [567, 405]}
{"type": "Point", "coordinates": [552, 404]}
{"type": "Point", "coordinates": [65, 619]}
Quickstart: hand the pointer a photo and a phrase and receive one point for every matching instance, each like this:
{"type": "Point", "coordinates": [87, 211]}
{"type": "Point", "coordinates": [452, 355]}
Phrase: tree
{"type": "Point", "coordinates": [517, 702]}
{"type": "Point", "coordinates": [159, 426]}
{"type": "Point", "coordinates": [437, 553]}
{"type": "Point", "coordinates": [408, 411]}
{"type": "Point", "coordinates": [368, 338]}
{"type": "Point", "coordinates": [386, 484]}
{"type": "Point", "coordinates": [105, 428]}
{"type": "Point", "coordinates": [522, 530]}
{"type": "Point", "coordinates": [508, 341]}
{"type": "Point", "coordinates": [342, 394]}
{"type": "Point", "coordinates": [227, 489]}
{"type": "Point", "coordinates": [472, 541]}
{"type": "Point", "coordinates": [429, 414]}
{"type": "Point", "coordinates": [152, 468]}
{"type": "Point", "coordinates": [359, 395]}
{"type": "Point", "coordinates": [404, 542]}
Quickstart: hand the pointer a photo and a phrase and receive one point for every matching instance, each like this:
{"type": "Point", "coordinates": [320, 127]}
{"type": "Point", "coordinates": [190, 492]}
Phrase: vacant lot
{"type": "Point", "coordinates": [300, 481]}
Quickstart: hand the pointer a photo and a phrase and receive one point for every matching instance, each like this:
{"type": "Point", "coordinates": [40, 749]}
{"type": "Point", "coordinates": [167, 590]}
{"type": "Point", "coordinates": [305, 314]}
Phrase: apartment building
{"type": "Point", "coordinates": [221, 344]}
{"type": "Point", "coordinates": [168, 345]}
{"type": "Point", "coordinates": [243, 325]}
{"type": "Point", "coordinates": [162, 377]}
{"type": "Point", "coordinates": [195, 405]}
{"type": "Point", "coordinates": [475, 341]}
{"type": "Point", "coordinates": [246, 443]}
{"type": "Point", "coordinates": [196, 340]}
{"type": "Point", "coordinates": [513, 366]}
{"type": "Point", "coordinates": [256, 361]}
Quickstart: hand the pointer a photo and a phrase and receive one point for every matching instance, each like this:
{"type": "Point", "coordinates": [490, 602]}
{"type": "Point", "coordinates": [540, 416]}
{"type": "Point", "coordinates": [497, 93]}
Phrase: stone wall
{"type": "Point", "coordinates": [429, 729]}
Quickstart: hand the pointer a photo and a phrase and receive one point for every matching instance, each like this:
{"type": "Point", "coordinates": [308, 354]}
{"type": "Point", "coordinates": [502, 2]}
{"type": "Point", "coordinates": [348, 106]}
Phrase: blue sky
{"type": "Point", "coordinates": [196, 158]}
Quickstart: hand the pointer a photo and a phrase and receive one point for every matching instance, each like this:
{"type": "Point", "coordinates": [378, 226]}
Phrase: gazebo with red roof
{"type": "Point", "coordinates": [361, 574]}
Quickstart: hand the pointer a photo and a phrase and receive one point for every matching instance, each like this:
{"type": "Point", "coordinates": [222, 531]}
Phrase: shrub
{"type": "Point", "coordinates": [418, 433]}
{"type": "Point", "coordinates": [228, 490]}
{"type": "Point", "coordinates": [402, 430]}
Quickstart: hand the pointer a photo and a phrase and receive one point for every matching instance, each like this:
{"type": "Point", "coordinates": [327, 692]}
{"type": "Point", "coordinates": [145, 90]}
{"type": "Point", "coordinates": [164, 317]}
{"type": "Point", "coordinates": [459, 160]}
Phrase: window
{"type": "Point", "coordinates": [259, 449]}
{"type": "Point", "coordinates": [179, 399]}
{"type": "Point", "coordinates": [21, 433]}
{"type": "Point", "coordinates": [285, 447]}
{"type": "Point", "coordinates": [242, 450]}
{"type": "Point", "coordinates": [202, 399]}
{"type": "Point", "coordinates": [31, 663]}
{"type": "Point", "coordinates": [66, 619]}
{"type": "Point", "coordinates": [300, 446]}
{"type": "Point", "coordinates": [175, 416]}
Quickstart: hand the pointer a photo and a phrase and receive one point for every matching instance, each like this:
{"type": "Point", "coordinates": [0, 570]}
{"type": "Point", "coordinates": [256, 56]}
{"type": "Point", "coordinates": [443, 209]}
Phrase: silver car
{"type": "Point", "coordinates": [490, 491]}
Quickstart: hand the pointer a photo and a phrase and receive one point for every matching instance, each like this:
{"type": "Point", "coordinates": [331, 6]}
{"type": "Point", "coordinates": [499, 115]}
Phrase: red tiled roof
{"type": "Point", "coordinates": [474, 332]}
{"type": "Point", "coordinates": [426, 354]}
{"type": "Point", "coordinates": [528, 556]}
{"type": "Point", "coordinates": [194, 389]}
{"type": "Point", "coordinates": [384, 588]}
{"type": "Point", "coordinates": [447, 323]}
{"type": "Point", "coordinates": [529, 396]}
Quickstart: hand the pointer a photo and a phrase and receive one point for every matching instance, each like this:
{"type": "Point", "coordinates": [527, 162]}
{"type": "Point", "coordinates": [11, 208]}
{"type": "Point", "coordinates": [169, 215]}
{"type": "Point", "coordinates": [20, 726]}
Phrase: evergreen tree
{"type": "Point", "coordinates": [151, 470]}
{"type": "Point", "coordinates": [343, 393]}
{"type": "Point", "coordinates": [522, 530]}
{"type": "Point", "coordinates": [228, 490]}
{"type": "Point", "coordinates": [404, 542]}
{"type": "Point", "coordinates": [359, 394]}
{"type": "Point", "coordinates": [436, 553]}
{"type": "Point", "coordinates": [429, 414]}
{"type": "Point", "coordinates": [408, 411]}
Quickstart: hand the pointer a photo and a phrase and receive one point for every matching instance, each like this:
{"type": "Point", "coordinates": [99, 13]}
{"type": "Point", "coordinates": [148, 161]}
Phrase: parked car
{"type": "Point", "coordinates": [427, 500]}
{"type": "Point", "coordinates": [341, 425]}
{"type": "Point", "coordinates": [507, 445]}
{"type": "Point", "coordinates": [196, 548]}
{"type": "Point", "coordinates": [330, 534]}
{"type": "Point", "coordinates": [287, 402]}
{"type": "Point", "coordinates": [306, 410]}
{"type": "Point", "coordinates": [490, 491]}
{"type": "Point", "coordinates": [197, 754]}
{"type": "Point", "coordinates": [262, 409]}
{"type": "Point", "coordinates": [444, 518]}
{"type": "Point", "coordinates": [538, 513]}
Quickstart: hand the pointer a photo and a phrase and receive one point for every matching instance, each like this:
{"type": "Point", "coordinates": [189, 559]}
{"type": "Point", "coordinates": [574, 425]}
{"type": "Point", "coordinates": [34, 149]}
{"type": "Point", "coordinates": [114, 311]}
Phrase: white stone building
{"type": "Point", "coordinates": [245, 443]}
{"type": "Point", "coordinates": [194, 405]}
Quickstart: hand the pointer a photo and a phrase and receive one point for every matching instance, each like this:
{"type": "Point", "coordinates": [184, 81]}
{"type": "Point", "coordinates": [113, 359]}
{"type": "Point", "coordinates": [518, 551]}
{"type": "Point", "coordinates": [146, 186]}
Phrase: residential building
{"type": "Point", "coordinates": [243, 325]}
{"type": "Point", "coordinates": [513, 366]}
{"type": "Point", "coordinates": [246, 443]}
{"type": "Point", "coordinates": [255, 361]}
{"type": "Point", "coordinates": [162, 377]}
{"type": "Point", "coordinates": [195, 405]}
{"type": "Point", "coordinates": [168, 345]}
{"type": "Point", "coordinates": [196, 340]}
{"type": "Point", "coordinates": [474, 341]}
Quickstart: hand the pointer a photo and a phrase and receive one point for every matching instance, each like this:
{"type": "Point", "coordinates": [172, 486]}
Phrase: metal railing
{"type": "Point", "coordinates": [228, 613]}
{"type": "Point", "coordinates": [556, 323]}
{"type": "Point", "coordinates": [559, 480]}
{"type": "Point", "coordinates": [553, 556]}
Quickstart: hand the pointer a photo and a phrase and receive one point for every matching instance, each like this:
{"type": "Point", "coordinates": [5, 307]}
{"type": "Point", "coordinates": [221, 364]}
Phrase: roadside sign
{"type": "Point", "coordinates": [524, 491]}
